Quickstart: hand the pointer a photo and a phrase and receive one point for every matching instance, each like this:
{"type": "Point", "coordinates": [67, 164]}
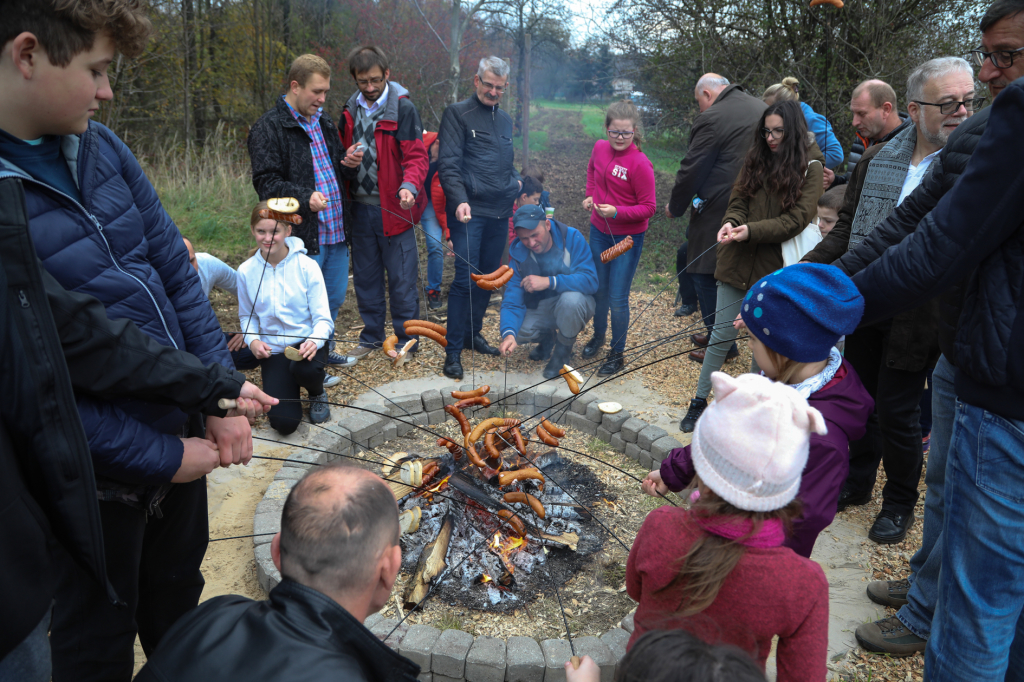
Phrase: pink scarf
{"type": "Point", "coordinates": [771, 534]}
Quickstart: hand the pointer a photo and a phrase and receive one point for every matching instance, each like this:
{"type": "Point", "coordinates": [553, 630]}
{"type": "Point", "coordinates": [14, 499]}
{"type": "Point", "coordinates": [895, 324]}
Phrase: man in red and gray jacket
{"type": "Point", "coordinates": [387, 163]}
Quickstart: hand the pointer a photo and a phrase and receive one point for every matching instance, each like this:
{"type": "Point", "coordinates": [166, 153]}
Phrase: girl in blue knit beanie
{"type": "Point", "coordinates": [795, 317]}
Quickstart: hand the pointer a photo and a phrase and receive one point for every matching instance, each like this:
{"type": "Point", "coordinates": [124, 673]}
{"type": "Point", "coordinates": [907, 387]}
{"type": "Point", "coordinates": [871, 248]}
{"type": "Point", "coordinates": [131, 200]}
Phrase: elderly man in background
{"type": "Point", "coordinates": [339, 556]}
{"type": "Point", "coordinates": [893, 356]}
{"type": "Point", "coordinates": [875, 118]}
{"type": "Point", "coordinates": [480, 183]}
{"type": "Point", "coordinates": [719, 140]}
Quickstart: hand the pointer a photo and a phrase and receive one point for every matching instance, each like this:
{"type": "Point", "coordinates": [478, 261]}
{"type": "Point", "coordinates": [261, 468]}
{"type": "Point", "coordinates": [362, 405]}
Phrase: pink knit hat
{"type": "Point", "coordinates": [751, 443]}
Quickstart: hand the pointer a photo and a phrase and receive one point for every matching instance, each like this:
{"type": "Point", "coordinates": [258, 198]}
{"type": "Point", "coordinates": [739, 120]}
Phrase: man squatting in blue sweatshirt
{"type": "Point", "coordinates": [552, 287]}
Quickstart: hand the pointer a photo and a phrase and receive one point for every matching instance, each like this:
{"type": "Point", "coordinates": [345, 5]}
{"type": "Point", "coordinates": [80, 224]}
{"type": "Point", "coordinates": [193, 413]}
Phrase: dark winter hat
{"type": "Point", "coordinates": [528, 217]}
{"type": "Point", "coordinates": [801, 311]}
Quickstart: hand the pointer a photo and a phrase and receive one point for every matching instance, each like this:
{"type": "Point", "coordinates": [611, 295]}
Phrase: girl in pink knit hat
{"type": "Point", "coordinates": [795, 317]}
{"type": "Point", "coordinates": [718, 569]}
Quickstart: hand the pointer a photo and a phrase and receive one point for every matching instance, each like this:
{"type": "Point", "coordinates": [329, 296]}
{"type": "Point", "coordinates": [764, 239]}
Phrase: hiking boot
{"type": "Point", "coordinates": [889, 636]}
{"type": "Point", "coordinates": [613, 364]}
{"type": "Point", "coordinates": [561, 355]}
{"type": "Point", "coordinates": [890, 527]}
{"type": "Point", "coordinates": [480, 345]}
{"type": "Point", "coordinates": [592, 346]}
{"type": "Point", "coordinates": [331, 380]}
{"type": "Point", "coordinates": [889, 592]}
{"type": "Point", "coordinates": [453, 365]}
{"type": "Point", "coordinates": [341, 360]}
{"type": "Point", "coordinates": [685, 310]}
{"type": "Point", "coordinates": [850, 498]}
{"type": "Point", "coordinates": [433, 299]}
{"type": "Point", "coordinates": [319, 410]}
{"type": "Point", "coordinates": [542, 349]}
{"type": "Point", "coordinates": [697, 407]}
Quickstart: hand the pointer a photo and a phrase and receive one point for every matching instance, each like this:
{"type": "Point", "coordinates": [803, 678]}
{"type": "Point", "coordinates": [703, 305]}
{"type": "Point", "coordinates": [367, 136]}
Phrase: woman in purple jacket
{"type": "Point", "coordinates": [795, 317]}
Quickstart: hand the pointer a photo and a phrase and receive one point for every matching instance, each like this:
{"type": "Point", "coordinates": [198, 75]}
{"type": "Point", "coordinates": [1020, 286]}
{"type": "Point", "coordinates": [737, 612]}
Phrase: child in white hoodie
{"type": "Point", "coordinates": [282, 301]}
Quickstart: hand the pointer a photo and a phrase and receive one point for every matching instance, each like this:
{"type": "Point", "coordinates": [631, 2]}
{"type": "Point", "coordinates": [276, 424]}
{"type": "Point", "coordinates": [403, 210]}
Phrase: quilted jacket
{"type": "Point", "coordinates": [120, 246]}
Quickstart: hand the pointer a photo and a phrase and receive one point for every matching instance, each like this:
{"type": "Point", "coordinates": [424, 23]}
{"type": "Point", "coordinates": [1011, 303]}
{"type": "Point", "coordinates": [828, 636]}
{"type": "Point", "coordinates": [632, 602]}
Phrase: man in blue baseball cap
{"type": "Point", "coordinates": [550, 298]}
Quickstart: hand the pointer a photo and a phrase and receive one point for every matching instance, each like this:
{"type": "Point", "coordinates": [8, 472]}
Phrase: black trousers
{"type": "Point", "coordinates": [283, 377]}
{"type": "Point", "coordinates": [153, 564]}
{"type": "Point", "coordinates": [687, 294]}
{"type": "Point", "coordinates": [894, 429]}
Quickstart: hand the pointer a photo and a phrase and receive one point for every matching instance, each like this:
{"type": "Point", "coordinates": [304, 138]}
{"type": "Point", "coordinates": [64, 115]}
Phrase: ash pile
{"type": "Point", "coordinates": [493, 530]}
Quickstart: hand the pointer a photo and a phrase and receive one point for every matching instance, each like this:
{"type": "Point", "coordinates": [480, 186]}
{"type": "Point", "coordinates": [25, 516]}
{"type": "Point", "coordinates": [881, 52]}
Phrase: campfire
{"type": "Point", "coordinates": [492, 531]}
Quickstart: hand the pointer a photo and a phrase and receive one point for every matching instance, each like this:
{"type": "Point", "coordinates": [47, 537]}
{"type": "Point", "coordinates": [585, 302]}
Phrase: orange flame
{"type": "Point", "coordinates": [505, 548]}
{"type": "Point", "coordinates": [486, 579]}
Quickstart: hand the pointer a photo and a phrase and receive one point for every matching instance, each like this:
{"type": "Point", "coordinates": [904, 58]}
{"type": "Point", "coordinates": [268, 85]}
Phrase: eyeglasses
{"type": "Point", "coordinates": [774, 133]}
{"type": "Point", "coordinates": [947, 108]}
{"type": "Point", "coordinates": [1001, 59]}
{"type": "Point", "coordinates": [621, 134]}
{"type": "Point", "coordinates": [369, 81]}
{"type": "Point", "coordinates": [491, 86]}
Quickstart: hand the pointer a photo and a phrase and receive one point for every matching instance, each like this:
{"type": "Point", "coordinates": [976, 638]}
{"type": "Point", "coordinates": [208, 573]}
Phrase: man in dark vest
{"type": "Point", "coordinates": [719, 140]}
{"type": "Point", "coordinates": [552, 287]}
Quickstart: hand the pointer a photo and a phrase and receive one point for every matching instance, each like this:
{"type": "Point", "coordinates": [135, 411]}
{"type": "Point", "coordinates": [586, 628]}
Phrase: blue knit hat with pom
{"type": "Point", "coordinates": [801, 311]}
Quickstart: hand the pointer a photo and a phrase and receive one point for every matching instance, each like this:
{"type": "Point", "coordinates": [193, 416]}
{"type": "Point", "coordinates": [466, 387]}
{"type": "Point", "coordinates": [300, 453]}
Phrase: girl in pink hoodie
{"type": "Point", "coordinates": [620, 196]}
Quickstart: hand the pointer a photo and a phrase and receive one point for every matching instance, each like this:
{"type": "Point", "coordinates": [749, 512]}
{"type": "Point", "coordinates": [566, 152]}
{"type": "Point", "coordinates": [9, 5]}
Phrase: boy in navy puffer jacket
{"type": "Point", "coordinates": [99, 229]}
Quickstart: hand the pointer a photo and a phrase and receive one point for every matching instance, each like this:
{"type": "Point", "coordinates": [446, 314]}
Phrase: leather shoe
{"type": "Point", "coordinates": [480, 345]}
{"type": "Point", "coordinates": [592, 346]}
{"type": "Point", "coordinates": [890, 527]}
{"type": "Point", "coordinates": [849, 498]}
{"type": "Point", "coordinates": [698, 354]}
{"type": "Point", "coordinates": [700, 339]}
{"type": "Point", "coordinates": [542, 349]}
{"type": "Point", "coordinates": [612, 365]}
{"type": "Point", "coordinates": [453, 365]}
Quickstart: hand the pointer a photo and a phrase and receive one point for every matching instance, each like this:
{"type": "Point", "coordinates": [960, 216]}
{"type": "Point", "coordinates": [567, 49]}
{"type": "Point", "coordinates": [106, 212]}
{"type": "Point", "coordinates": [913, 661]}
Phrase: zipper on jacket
{"type": "Point", "coordinates": [22, 298]}
{"type": "Point", "coordinates": [99, 227]}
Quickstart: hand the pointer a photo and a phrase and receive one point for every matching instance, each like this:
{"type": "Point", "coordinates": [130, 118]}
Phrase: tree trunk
{"type": "Point", "coordinates": [188, 21]}
{"type": "Point", "coordinates": [453, 50]}
{"type": "Point", "coordinates": [524, 97]}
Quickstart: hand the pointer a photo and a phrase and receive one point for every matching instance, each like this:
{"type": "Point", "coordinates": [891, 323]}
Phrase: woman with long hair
{"type": "Point", "coordinates": [773, 200]}
{"type": "Point", "coordinates": [719, 569]}
{"type": "Point", "coordinates": [789, 91]}
{"type": "Point", "coordinates": [620, 197]}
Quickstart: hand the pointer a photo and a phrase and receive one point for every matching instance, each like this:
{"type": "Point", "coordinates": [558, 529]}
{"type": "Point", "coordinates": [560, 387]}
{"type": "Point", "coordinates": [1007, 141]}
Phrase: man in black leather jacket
{"type": "Point", "coordinates": [52, 343]}
{"type": "Point", "coordinates": [480, 183]}
{"type": "Point", "coordinates": [338, 554]}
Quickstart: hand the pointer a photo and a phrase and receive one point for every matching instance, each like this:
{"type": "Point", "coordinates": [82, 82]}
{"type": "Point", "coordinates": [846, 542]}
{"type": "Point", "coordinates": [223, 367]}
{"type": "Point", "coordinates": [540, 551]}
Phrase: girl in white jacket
{"type": "Point", "coordinates": [282, 301]}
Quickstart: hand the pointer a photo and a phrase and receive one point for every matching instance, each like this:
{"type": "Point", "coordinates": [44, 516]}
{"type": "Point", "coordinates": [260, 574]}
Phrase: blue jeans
{"type": "Point", "coordinates": [614, 280]}
{"type": "Point", "coordinates": [333, 262]}
{"type": "Point", "coordinates": [435, 247]}
{"type": "Point", "coordinates": [917, 613]}
{"type": "Point", "coordinates": [978, 632]}
{"type": "Point", "coordinates": [30, 660]}
{"type": "Point", "coordinates": [481, 242]}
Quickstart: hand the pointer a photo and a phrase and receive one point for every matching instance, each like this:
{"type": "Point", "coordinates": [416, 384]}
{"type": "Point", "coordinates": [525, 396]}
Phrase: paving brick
{"type": "Point", "coordinates": [334, 440]}
{"type": "Point", "coordinates": [664, 445]}
{"type": "Point", "coordinates": [617, 443]}
{"type": "Point", "coordinates": [579, 406]}
{"type": "Point", "coordinates": [631, 427]}
{"type": "Point", "coordinates": [362, 425]}
{"type": "Point", "coordinates": [289, 474]}
{"type": "Point", "coordinates": [446, 394]}
{"type": "Point", "coordinates": [524, 660]}
{"type": "Point", "coordinates": [436, 417]}
{"type": "Point", "coordinates": [372, 620]}
{"type": "Point", "coordinates": [599, 651]}
{"type": "Point", "coordinates": [556, 653]}
{"type": "Point", "coordinates": [390, 431]}
{"type": "Point", "coordinates": [614, 422]}
{"type": "Point", "coordinates": [646, 461]}
{"type": "Point", "coordinates": [580, 423]}
{"type": "Point", "coordinates": [649, 435]}
{"type": "Point", "coordinates": [305, 459]}
{"type": "Point", "coordinates": [377, 439]}
{"type": "Point", "coordinates": [562, 398]}
{"type": "Point", "coordinates": [603, 434]}
{"type": "Point", "coordinates": [445, 678]}
{"type": "Point", "coordinates": [270, 505]}
{"type": "Point", "coordinates": [405, 405]}
{"type": "Point", "coordinates": [616, 639]}
{"type": "Point", "coordinates": [266, 573]}
{"type": "Point", "coordinates": [543, 393]}
{"type": "Point", "coordinates": [266, 523]}
{"type": "Point", "coordinates": [432, 400]}
{"type": "Point", "coordinates": [633, 451]}
{"type": "Point", "coordinates": [417, 644]}
{"type": "Point", "coordinates": [448, 656]}
{"type": "Point", "coordinates": [485, 661]}
{"type": "Point", "coordinates": [594, 414]}
{"type": "Point", "coordinates": [627, 622]}
{"type": "Point", "coordinates": [526, 398]}
{"type": "Point", "coordinates": [384, 626]}
{"type": "Point", "coordinates": [425, 677]}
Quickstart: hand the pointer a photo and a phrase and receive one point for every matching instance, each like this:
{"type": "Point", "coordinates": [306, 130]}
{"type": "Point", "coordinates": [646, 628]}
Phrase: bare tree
{"type": "Point", "coordinates": [459, 21]}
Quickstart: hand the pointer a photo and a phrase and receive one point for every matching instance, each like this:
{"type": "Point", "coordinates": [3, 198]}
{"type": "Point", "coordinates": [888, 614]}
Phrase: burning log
{"type": "Point", "coordinates": [432, 563]}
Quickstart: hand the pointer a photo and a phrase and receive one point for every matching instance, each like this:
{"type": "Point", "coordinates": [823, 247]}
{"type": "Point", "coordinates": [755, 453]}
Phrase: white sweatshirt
{"type": "Point", "coordinates": [292, 303]}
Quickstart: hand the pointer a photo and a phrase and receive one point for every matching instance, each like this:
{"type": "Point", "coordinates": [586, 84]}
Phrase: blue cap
{"type": "Point", "coordinates": [801, 311]}
{"type": "Point", "coordinates": [528, 217]}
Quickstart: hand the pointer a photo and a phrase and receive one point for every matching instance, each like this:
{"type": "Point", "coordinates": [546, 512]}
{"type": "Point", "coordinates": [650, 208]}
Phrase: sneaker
{"type": "Point", "coordinates": [889, 636]}
{"type": "Point", "coordinates": [359, 351]}
{"type": "Point", "coordinates": [685, 310]}
{"type": "Point", "coordinates": [926, 443]}
{"type": "Point", "coordinates": [331, 380]}
{"type": "Point", "coordinates": [697, 407]}
{"type": "Point", "coordinates": [341, 360]}
{"type": "Point", "coordinates": [889, 592]}
{"type": "Point", "coordinates": [433, 299]}
{"type": "Point", "coordinates": [319, 410]}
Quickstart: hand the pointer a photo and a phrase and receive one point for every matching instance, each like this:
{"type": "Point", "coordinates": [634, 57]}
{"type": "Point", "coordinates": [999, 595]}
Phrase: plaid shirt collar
{"type": "Point", "coordinates": [303, 121]}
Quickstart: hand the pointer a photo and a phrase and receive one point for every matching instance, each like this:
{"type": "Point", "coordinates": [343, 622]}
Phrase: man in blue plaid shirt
{"type": "Point", "coordinates": [296, 152]}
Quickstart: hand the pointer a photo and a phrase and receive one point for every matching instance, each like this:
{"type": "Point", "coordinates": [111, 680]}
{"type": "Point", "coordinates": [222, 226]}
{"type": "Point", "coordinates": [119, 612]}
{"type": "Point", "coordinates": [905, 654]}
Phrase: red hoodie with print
{"type": "Point", "coordinates": [626, 181]}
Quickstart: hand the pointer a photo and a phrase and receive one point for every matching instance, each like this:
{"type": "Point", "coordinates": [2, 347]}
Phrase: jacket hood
{"type": "Point", "coordinates": [846, 404]}
{"type": "Point", "coordinates": [295, 247]}
{"type": "Point", "coordinates": [429, 139]}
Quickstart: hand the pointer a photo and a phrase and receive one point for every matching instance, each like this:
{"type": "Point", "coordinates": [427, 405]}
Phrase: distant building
{"type": "Point", "coordinates": [622, 87]}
